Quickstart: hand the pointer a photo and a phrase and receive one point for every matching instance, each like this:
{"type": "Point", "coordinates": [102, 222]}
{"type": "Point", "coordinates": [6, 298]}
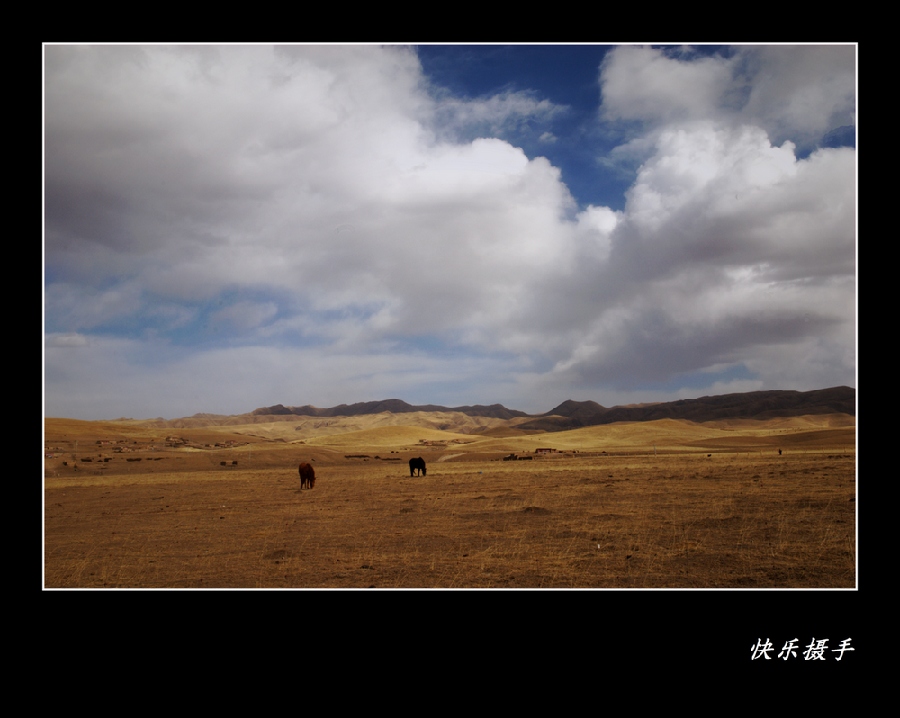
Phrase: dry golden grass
{"type": "Point", "coordinates": [742, 517]}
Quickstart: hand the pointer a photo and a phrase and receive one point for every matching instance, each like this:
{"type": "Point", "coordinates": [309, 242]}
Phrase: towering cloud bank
{"type": "Point", "coordinates": [228, 227]}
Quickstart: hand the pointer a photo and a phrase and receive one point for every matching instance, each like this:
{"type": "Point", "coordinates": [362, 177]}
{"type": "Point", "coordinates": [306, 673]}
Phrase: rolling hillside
{"type": "Point", "coordinates": [300, 424]}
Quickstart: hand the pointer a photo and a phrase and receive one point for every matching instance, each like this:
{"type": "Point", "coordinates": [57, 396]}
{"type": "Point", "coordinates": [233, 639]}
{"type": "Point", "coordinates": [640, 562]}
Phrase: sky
{"type": "Point", "coordinates": [232, 227]}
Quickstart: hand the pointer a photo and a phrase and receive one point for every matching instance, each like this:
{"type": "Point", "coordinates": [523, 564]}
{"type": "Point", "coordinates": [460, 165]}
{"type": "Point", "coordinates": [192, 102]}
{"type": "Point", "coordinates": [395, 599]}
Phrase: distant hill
{"type": "Point", "coordinates": [395, 406]}
{"type": "Point", "coordinates": [749, 405]}
{"type": "Point", "coordinates": [574, 414]}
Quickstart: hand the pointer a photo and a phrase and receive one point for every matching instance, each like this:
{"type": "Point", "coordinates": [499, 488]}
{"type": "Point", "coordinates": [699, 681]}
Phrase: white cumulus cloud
{"type": "Point", "coordinates": [309, 224]}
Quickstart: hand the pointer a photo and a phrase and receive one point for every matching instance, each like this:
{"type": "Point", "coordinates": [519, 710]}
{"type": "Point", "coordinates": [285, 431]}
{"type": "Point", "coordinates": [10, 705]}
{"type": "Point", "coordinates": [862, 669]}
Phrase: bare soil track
{"type": "Point", "coordinates": [696, 518]}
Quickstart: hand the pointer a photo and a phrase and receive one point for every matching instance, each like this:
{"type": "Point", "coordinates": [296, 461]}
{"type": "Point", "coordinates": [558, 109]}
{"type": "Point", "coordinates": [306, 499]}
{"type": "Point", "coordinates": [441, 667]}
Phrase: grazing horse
{"type": "Point", "coordinates": [417, 465]}
{"type": "Point", "coordinates": [307, 476]}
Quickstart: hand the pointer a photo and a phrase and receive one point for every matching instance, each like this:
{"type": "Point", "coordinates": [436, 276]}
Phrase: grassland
{"type": "Point", "coordinates": [665, 504]}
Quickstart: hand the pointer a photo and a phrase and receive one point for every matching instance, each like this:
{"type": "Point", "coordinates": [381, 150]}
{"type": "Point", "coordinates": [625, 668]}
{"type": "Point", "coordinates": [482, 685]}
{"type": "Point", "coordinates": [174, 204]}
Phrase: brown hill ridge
{"type": "Point", "coordinates": [571, 414]}
{"type": "Point", "coordinates": [757, 405]}
{"type": "Point", "coordinates": [395, 406]}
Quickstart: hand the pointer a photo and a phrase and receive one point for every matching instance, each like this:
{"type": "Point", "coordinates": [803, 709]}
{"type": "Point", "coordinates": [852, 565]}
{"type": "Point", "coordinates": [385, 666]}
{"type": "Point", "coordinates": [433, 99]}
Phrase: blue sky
{"type": "Point", "coordinates": [229, 227]}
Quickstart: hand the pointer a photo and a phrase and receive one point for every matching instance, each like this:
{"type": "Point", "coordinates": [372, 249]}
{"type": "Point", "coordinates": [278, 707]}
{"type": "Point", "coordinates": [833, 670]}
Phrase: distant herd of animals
{"type": "Point", "coordinates": [416, 468]}
{"type": "Point", "coordinates": [308, 474]}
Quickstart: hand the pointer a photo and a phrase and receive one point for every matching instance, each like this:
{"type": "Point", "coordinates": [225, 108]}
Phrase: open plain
{"type": "Point", "coordinates": [661, 504]}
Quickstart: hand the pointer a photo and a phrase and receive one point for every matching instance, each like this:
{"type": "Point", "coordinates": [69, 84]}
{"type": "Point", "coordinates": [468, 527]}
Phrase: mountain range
{"type": "Point", "coordinates": [574, 414]}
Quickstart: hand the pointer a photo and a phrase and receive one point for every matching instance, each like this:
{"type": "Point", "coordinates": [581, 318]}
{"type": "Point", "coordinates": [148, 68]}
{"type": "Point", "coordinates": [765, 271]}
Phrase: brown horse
{"type": "Point", "coordinates": [307, 476]}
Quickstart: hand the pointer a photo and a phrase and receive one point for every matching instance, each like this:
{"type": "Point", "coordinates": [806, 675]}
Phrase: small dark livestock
{"type": "Point", "coordinates": [307, 476]}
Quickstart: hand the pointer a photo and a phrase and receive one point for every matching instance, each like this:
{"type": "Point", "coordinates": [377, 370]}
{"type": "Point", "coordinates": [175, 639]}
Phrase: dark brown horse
{"type": "Point", "coordinates": [307, 476]}
{"type": "Point", "coordinates": [417, 464]}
